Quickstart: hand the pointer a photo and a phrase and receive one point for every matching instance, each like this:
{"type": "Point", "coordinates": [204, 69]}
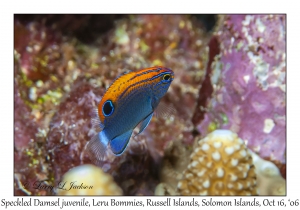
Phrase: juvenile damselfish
{"type": "Point", "coordinates": [129, 102]}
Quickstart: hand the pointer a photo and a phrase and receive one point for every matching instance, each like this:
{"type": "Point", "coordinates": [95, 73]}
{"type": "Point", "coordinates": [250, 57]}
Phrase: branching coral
{"type": "Point", "coordinates": [220, 165]}
{"type": "Point", "coordinates": [88, 180]}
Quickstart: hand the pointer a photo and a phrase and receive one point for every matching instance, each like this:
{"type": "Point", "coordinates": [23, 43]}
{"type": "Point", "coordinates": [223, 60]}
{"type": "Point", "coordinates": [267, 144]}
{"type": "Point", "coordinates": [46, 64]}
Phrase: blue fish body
{"type": "Point", "coordinates": [130, 101]}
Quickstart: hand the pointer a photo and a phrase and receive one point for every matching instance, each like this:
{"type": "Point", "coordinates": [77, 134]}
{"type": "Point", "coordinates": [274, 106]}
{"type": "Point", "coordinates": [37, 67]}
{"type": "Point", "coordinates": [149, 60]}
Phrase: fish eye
{"type": "Point", "coordinates": [108, 108]}
{"type": "Point", "coordinates": [166, 77]}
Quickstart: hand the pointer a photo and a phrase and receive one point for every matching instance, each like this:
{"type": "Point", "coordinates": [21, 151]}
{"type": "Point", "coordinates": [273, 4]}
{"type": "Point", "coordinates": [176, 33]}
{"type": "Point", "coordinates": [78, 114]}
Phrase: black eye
{"type": "Point", "coordinates": [108, 108]}
{"type": "Point", "coordinates": [167, 77]}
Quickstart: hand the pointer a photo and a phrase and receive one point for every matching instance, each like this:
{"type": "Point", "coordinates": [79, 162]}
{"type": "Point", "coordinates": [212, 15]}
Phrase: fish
{"type": "Point", "coordinates": [129, 102]}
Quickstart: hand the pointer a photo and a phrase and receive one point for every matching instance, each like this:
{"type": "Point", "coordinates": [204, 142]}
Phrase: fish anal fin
{"type": "Point", "coordinates": [119, 143]}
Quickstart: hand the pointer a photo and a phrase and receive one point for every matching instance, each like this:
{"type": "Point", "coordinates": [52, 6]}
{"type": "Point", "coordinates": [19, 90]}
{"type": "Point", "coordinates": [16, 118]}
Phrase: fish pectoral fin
{"type": "Point", "coordinates": [97, 147]}
{"type": "Point", "coordinates": [143, 124]}
{"type": "Point", "coordinates": [119, 143]}
{"type": "Point", "coordinates": [164, 110]}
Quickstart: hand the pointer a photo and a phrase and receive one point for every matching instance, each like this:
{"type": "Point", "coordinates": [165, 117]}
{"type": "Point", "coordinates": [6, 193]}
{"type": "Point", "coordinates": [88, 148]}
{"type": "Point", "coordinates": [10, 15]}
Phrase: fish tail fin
{"type": "Point", "coordinates": [97, 147]}
{"type": "Point", "coordinates": [95, 120]}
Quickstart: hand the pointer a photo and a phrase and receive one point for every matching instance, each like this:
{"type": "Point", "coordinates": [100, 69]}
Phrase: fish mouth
{"type": "Point", "coordinates": [171, 75]}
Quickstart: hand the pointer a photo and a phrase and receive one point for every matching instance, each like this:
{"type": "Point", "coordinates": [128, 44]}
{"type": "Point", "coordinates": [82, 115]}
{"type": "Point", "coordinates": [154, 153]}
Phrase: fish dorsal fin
{"type": "Point", "coordinates": [97, 147]}
{"type": "Point", "coordinates": [119, 143]}
{"type": "Point", "coordinates": [120, 75]}
{"type": "Point", "coordinates": [164, 110]}
{"type": "Point", "coordinates": [127, 71]}
{"type": "Point", "coordinates": [144, 123]}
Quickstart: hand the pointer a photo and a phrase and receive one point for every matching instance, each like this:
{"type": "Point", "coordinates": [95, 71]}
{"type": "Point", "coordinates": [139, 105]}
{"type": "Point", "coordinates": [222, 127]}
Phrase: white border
{"type": "Point", "coordinates": [153, 6]}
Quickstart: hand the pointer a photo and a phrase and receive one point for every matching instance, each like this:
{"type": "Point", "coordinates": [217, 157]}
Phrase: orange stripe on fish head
{"type": "Point", "coordinates": [123, 85]}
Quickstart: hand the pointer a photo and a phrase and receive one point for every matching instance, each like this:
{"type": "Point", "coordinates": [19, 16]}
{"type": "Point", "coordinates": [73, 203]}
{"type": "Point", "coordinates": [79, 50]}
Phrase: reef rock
{"type": "Point", "coordinates": [248, 79]}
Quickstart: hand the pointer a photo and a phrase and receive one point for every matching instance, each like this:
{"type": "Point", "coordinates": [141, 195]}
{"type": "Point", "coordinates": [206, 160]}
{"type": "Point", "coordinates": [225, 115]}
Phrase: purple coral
{"type": "Point", "coordinates": [249, 83]}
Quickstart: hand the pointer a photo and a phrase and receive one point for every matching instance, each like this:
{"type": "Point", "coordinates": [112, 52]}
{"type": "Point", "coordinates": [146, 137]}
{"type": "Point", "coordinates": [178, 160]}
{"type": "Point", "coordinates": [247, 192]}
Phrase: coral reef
{"type": "Point", "coordinates": [174, 163]}
{"type": "Point", "coordinates": [30, 164]}
{"type": "Point", "coordinates": [248, 80]}
{"type": "Point", "coordinates": [219, 165]}
{"type": "Point", "coordinates": [206, 88]}
{"type": "Point", "coordinates": [233, 78]}
{"type": "Point", "coordinates": [269, 180]}
{"type": "Point", "coordinates": [88, 180]}
{"type": "Point", "coordinates": [60, 80]}
{"type": "Point", "coordinates": [69, 129]}
{"type": "Point", "coordinates": [85, 27]}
